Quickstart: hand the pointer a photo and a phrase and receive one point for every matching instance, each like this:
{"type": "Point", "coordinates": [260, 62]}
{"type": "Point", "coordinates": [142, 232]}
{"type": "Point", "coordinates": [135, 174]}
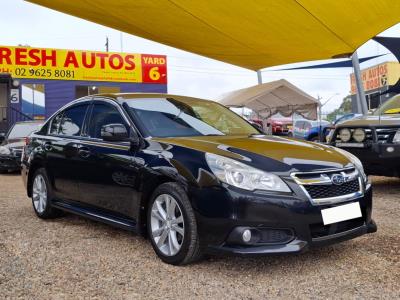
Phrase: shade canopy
{"type": "Point", "coordinates": [272, 97]}
{"type": "Point", "coordinates": [253, 34]}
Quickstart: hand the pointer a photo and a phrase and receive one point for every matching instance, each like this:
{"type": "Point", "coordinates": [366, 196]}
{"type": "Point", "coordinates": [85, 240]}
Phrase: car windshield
{"type": "Point", "coordinates": [392, 106]}
{"type": "Point", "coordinates": [171, 117]}
{"type": "Point", "coordinates": [23, 130]}
{"type": "Point", "coordinates": [316, 123]}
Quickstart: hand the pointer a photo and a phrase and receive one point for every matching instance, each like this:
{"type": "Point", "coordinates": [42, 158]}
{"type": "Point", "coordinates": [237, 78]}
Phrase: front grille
{"type": "Point", "coordinates": [331, 186]}
{"type": "Point", "coordinates": [321, 230]}
{"type": "Point", "coordinates": [385, 135]}
{"type": "Point", "coordinates": [329, 191]}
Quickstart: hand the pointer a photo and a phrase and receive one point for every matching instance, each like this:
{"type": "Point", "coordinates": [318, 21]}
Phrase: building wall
{"type": "Point", "coordinates": [61, 92]}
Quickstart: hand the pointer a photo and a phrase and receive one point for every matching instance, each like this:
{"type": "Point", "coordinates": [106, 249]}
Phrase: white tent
{"type": "Point", "coordinates": [273, 97]}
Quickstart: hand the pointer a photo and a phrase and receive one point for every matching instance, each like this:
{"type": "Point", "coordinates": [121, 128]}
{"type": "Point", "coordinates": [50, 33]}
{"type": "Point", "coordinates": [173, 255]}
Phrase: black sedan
{"type": "Point", "coordinates": [194, 177]}
{"type": "Point", "coordinates": [13, 143]}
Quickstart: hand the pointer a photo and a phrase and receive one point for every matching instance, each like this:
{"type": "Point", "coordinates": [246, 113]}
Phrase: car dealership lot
{"type": "Point", "coordinates": [74, 257]}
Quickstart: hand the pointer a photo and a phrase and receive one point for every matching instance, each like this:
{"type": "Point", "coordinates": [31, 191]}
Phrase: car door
{"type": "Point", "coordinates": [297, 130]}
{"type": "Point", "coordinates": [61, 150]}
{"type": "Point", "coordinates": [306, 130]}
{"type": "Point", "coordinates": [109, 171]}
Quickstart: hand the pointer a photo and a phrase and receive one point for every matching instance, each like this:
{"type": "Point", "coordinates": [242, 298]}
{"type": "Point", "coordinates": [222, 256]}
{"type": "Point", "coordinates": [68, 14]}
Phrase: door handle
{"type": "Point", "coordinates": [84, 152]}
{"type": "Point", "coordinates": [47, 146]}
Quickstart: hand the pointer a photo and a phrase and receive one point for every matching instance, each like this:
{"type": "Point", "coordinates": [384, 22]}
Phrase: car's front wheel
{"type": "Point", "coordinates": [172, 225]}
{"type": "Point", "coordinates": [42, 195]}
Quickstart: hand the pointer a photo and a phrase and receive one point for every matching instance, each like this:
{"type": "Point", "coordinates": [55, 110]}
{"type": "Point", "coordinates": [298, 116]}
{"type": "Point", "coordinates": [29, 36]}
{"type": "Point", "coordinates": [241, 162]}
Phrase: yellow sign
{"type": "Point", "coordinates": [57, 64]}
{"type": "Point", "coordinates": [377, 76]}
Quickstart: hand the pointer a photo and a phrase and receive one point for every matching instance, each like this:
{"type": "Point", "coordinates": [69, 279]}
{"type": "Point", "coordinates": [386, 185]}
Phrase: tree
{"type": "Point", "coordinates": [344, 108]}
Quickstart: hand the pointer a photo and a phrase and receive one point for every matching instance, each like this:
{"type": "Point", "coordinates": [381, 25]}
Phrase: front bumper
{"type": "Point", "coordinates": [377, 160]}
{"type": "Point", "coordinates": [297, 245]}
{"type": "Point", "coordinates": [10, 163]}
{"type": "Point", "coordinates": [294, 214]}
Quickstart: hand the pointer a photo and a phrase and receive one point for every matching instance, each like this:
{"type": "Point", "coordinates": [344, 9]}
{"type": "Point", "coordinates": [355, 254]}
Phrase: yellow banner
{"type": "Point", "coordinates": [378, 76]}
{"type": "Point", "coordinates": [57, 64]}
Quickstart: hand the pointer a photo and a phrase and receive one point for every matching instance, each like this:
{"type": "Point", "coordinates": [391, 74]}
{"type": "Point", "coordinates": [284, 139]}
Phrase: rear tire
{"type": "Point", "coordinates": [42, 195]}
{"type": "Point", "coordinates": [172, 226]}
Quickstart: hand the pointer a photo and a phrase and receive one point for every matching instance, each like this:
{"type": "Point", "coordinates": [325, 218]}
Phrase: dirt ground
{"type": "Point", "coordinates": [74, 258]}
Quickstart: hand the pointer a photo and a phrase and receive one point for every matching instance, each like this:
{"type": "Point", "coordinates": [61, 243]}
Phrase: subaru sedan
{"type": "Point", "coordinates": [194, 178]}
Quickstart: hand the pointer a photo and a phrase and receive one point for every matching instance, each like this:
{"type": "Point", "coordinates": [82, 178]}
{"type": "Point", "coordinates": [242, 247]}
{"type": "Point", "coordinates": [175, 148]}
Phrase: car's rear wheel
{"type": "Point", "coordinates": [172, 225]}
{"type": "Point", "coordinates": [42, 195]}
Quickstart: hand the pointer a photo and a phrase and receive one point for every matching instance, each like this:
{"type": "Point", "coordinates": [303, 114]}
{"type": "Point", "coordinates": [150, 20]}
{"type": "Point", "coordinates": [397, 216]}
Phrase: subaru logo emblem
{"type": "Point", "coordinates": [338, 179]}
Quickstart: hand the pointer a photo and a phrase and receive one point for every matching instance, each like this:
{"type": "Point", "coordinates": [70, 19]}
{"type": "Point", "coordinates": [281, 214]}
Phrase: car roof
{"type": "Point", "coordinates": [121, 97]}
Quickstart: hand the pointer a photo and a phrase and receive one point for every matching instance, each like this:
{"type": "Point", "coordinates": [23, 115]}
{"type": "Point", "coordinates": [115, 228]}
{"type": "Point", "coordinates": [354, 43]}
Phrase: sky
{"type": "Point", "coordinates": [188, 74]}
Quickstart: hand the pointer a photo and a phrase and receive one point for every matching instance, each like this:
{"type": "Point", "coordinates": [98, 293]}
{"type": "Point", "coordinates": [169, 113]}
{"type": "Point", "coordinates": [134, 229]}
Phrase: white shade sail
{"type": "Point", "coordinates": [272, 97]}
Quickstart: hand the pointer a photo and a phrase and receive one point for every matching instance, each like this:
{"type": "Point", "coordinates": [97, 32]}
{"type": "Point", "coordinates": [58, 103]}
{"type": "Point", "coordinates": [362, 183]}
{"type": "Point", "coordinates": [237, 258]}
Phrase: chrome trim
{"type": "Point", "coordinates": [323, 179]}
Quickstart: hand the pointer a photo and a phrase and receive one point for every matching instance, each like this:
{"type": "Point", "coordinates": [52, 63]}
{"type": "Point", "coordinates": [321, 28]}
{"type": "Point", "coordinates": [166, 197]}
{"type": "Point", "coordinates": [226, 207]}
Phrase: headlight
{"type": "Point", "coordinates": [4, 150]}
{"type": "Point", "coordinates": [396, 138]}
{"type": "Point", "coordinates": [243, 176]}
{"type": "Point", "coordinates": [354, 159]}
{"type": "Point", "coordinates": [345, 135]}
{"type": "Point", "coordinates": [359, 135]}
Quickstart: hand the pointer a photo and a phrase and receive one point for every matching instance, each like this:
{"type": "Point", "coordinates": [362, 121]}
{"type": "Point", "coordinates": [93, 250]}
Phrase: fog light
{"type": "Point", "coordinates": [390, 149]}
{"type": "Point", "coordinates": [246, 236]}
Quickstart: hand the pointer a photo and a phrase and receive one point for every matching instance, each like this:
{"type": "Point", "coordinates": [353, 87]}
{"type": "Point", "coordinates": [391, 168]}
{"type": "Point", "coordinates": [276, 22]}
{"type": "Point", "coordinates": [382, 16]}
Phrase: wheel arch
{"type": "Point", "coordinates": [147, 191]}
{"type": "Point", "coordinates": [34, 166]}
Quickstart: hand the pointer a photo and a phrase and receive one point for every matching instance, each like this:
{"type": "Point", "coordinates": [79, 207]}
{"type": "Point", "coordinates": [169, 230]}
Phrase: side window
{"type": "Point", "coordinates": [55, 123]}
{"type": "Point", "coordinates": [103, 114]}
{"type": "Point", "coordinates": [299, 125]}
{"type": "Point", "coordinates": [307, 126]}
{"type": "Point", "coordinates": [72, 121]}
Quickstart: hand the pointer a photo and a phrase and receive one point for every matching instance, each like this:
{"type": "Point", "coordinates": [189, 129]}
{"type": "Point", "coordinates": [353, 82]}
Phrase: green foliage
{"type": "Point", "coordinates": [344, 108]}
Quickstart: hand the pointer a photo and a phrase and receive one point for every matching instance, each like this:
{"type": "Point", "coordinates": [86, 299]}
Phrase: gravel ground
{"type": "Point", "coordinates": [74, 258]}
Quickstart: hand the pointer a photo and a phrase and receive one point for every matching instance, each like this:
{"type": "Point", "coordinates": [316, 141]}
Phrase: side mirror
{"type": "Point", "coordinates": [114, 133]}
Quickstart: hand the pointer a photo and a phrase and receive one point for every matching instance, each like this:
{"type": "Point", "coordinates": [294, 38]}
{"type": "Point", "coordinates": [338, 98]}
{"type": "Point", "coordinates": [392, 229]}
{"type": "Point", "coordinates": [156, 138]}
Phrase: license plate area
{"type": "Point", "coordinates": [341, 213]}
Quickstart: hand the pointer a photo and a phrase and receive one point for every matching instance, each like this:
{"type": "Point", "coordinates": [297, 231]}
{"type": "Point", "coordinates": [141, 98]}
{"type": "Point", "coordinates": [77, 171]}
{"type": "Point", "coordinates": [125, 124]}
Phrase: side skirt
{"type": "Point", "coordinates": [96, 215]}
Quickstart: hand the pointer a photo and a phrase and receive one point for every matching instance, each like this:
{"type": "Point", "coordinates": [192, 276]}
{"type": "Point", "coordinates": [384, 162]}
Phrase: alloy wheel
{"type": "Point", "coordinates": [39, 194]}
{"type": "Point", "coordinates": [167, 225]}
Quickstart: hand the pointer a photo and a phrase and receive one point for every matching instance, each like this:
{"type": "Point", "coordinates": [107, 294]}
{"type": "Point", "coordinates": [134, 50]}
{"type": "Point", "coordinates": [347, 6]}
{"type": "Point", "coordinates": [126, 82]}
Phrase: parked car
{"type": "Point", "coordinates": [346, 117]}
{"type": "Point", "coordinates": [13, 143]}
{"type": "Point", "coordinates": [280, 126]}
{"type": "Point", "coordinates": [310, 130]}
{"type": "Point", "coordinates": [194, 177]}
{"type": "Point", "coordinates": [374, 139]}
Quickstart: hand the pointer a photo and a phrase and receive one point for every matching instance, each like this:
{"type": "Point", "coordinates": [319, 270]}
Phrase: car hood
{"type": "Point", "coordinates": [14, 143]}
{"type": "Point", "coordinates": [384, 120]}
{"type": "Point", "coordinates": [264, 152]}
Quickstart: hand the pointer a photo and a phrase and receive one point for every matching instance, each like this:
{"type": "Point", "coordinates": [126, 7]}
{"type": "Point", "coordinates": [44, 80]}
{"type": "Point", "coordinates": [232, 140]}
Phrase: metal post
{"type": "Point", "coordinates": [259, 77]}
{"type": "Point", "coordinates": [107, 44]}
{"type": "Point", "coordinates": [33, 101]}
{"type": "Point", "coordinates": [319, 118]}
{"type": "Point", "coordinates": [362, 104]}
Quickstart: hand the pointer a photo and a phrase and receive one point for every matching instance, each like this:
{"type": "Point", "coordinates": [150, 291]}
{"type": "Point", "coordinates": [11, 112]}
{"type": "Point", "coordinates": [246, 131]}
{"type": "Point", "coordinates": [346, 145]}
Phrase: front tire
{"type": "Point", "coordinates": [42, 194]}
{"type": "Point", "coordinates": [172, 225]}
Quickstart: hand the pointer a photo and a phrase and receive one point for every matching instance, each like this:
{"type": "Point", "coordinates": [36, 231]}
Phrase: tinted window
{"type": "Point", "coordinates": [72, 121]}
{"type": "Point", "coordinates": [299, 124]}
{"type": "Point", "coordinates": [55, 123]}
{"type": "Point", "coordinates": [103, 114]}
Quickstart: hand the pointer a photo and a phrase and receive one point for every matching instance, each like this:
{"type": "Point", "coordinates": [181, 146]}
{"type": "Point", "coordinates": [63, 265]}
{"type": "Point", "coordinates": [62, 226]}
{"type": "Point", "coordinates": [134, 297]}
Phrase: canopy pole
{"type": "Point", "coordinates": [361, 103]}
{"type": "Point", "coordinates": [259, 77]}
